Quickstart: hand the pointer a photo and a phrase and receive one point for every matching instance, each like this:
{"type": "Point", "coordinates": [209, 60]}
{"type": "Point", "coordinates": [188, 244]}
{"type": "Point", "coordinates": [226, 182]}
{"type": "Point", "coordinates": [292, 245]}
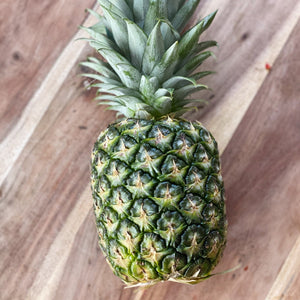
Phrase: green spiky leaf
{"type": "Point", "coordinates": [165, 68]}
{"type": "Point", "coordinates": [109, 5]}
{"type": "Point", "coordinates": [194, 63]}
{"type": "Point", "coordinates": [100, 67]}
{"type": "Point", "coordinates": [190, 39]}
{"type": "Point", "coordinates": [148, 86]}
{"type": "Point", "coordinates": [154, 49]}
{"type": "Point", "coordinates": [137, 42]}
{"type": "Point", "coordinates": [151, 17]}
{"type": "Point", "coordinates": [189, 89]}
{"type": "Point", "coordinates": [147, 60]}
{"type": "Point", "coordinates": [119, 29]}
{"type": "Point", "coordinates": [184, 14]}
{"type": "Point", "coordinates": [128, 74]}
{"type": "Point", "coordinates": [177, 81]}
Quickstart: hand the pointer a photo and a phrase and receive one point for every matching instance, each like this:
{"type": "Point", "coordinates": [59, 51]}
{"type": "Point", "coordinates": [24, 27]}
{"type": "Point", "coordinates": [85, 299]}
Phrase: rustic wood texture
{"type": "Point", "coordinates": [32, 36]}
{"type": "Point", "coordinates": [48, 123]}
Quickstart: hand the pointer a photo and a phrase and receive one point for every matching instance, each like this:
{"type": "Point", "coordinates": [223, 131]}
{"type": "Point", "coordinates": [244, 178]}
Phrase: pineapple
{"type": "Point", "coordinates": [156, 183]}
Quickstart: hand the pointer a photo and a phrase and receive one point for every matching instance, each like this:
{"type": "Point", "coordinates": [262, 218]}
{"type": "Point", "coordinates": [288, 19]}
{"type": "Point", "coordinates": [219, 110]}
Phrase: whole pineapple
{"type": "Point", "coordinates": [157, 188]}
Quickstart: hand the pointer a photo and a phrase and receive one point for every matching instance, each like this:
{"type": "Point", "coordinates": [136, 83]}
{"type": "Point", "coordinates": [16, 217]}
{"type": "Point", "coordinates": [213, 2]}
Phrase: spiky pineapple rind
{"type": "Point", "coordinates": [160, 212]}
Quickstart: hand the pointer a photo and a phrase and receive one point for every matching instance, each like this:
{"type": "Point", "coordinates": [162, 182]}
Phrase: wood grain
{"type": "Point", "coordinates": [287, 282]}
{"type": "Point", "coordinates": [38, 104]}
{"type": "Point", "coordinates": [48, 241]}
{"type": "Point", "coordinates": [242, 92]}
{"type": "Point", "coordinates": [32, 35]}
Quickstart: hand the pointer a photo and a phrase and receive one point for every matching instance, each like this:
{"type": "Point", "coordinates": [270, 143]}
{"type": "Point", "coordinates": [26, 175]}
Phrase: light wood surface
{"type": "Point", "coordinates": [48, 124]}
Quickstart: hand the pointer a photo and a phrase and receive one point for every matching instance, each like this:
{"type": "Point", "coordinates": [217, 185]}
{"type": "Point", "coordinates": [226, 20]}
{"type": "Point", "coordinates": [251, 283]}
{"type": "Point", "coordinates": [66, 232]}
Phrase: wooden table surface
{"type": "Point", "coordinates": [48, 123]}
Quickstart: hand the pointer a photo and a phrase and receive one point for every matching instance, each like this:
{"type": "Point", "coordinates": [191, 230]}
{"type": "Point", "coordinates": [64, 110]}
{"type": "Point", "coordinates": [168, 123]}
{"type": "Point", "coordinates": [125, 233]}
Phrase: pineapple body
{"type": "Point", "coordinates": [159, 200]}
{"type": "Point", "coordinates": [156, 183]}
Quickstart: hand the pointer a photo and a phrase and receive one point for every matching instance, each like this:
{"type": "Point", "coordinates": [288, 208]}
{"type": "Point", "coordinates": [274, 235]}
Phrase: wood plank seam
{"type": "Point", "coordinates": [47, 279]}
{"type": "Point", "coordinates": [16, 140]}
{"type": "Point", "coordinates": [287, 274]}
{"type": "Point", "coordinates": [243, 92]}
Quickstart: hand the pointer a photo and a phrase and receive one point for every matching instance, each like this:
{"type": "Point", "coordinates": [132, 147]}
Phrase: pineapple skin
{"type": "Point", "coordinates": [159, 200]}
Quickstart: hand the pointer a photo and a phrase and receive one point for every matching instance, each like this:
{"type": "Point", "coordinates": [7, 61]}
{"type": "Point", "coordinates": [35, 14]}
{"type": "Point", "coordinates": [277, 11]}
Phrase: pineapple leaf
{"type": "Point", "coordinates": [165, 68]}
{"type": "Point", "coordinates": [151, 17]}
{"type": "Point", "coordinates": [117, 90]}
{"type": "Point", "coordinates": [129, 100]}
{"type": "Point", "coordinates": [143, 114]}
{"type": "Point", "coordinates": [184, 102]}
{"type": "Point", "coordinates": [204, 45]}
{"type": "Point", "coordinates": [194, 63]}
{"type": "Point", "coordinates": [170, 34]}
{"type": "Point", "coordinates": [137, 42]}
{"type": "Point", "coordinates": [148, 65]}
{"type": "Point", "coordinates": [92, 32]}
{"type": "Point", "coordinates": [190, 38]}
{"type": "Point", "coordinates": [123, 7]}
{"type": "Point", "coordinates": [131, 76]}
{"type": "Point", "coordinates": [162, 9]}
{"type": "Point", "coordinates": [127, 73]}
{"type": "Point", "coordinates": [154, 49]}
{"type": "Point", "coordinates": [163, 92]}
{"type": "Point", "coordinates": [128, 92]}
{"type": "Point", "coordinates": [207, 21]}
{"type": "Point", "coordinates": [99, 40]}
{"type": "Point", "coordinates": [105, 98]}
{"type": "Point", "coordinates": [179, 111]}
{"type": "Point", "coordinates": [122, 110]}
{"type": "Point", "coordinates": [184, 14]}
{"type": "Point", "coordinates": [100, 27]}
{"type": "Point", "coordinates": [163, 104]}
{"type": "Point", "coordinates": [140, 7]}
{"type": "Point", "coordinates": [200, 75]}
{"type": "Point", "coordinates": [130, 4]}
{"type": "Point", "coordinates": [148, 86]}
{"type": "Point", "coordinates": [106, 102]}
{"type": "Point", "coordinates": [95, 14]}
{"type": "Point", "coordinates": [100, 67]}
{"type": "Point", "coordinates": [108, 5]}
{"type": "Point", "coordinates": [110, 101]}
{"type": "Point", "coordinates": [177, 81]}
{"type": "Point", "coordinates": [121, 90]}
{"type": "Point", "coordinates": [189, 89]}
{"type": "Point", "coordinates": [173, 7]}
{"type": "Point", "coordinates": [134, 104]}
{"type": "Point", "coordinates": [101, 78]}
{"type": "Point", "coordinates": [119, 29]}
{"type": "Point", "coordinates": [106, 88]}
{"type": "Point", "coordinates": [198, 60]}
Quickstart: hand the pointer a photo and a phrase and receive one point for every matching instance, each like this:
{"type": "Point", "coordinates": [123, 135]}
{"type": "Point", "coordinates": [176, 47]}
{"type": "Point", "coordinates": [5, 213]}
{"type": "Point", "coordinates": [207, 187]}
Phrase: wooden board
{"type": "Point", "coordinates": [48, 241]}
{"type": "Point", "coordinates": [32, 37]}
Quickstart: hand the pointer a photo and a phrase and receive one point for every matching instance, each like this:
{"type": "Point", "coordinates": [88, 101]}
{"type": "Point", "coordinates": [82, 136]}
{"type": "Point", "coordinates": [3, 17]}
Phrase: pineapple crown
{"type": "Point", "coordinates": [149, 67]}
